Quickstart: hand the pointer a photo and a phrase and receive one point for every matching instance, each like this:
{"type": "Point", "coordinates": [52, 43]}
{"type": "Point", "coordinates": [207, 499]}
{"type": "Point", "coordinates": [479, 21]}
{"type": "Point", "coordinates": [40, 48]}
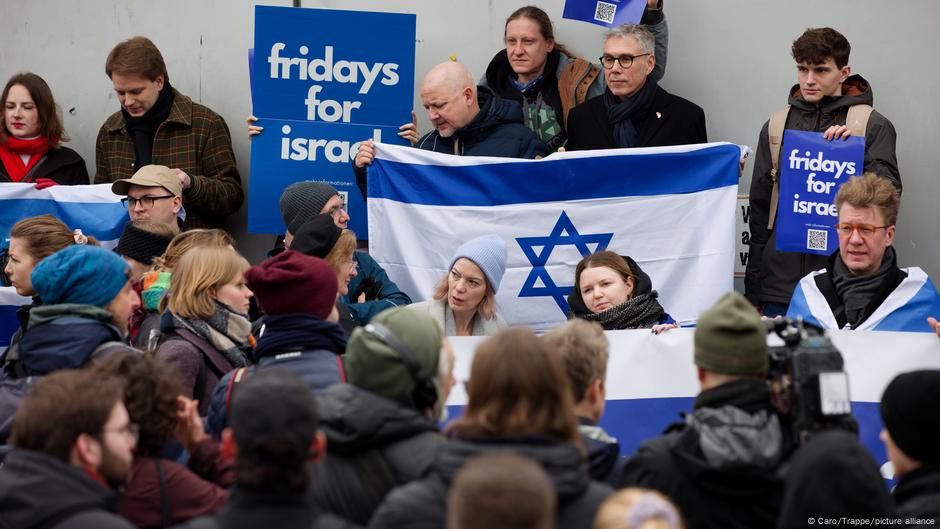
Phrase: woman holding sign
{"type": "Point", "coordinates": [615, 292]}
{"type": "Point", "coordinates": [31, 136]}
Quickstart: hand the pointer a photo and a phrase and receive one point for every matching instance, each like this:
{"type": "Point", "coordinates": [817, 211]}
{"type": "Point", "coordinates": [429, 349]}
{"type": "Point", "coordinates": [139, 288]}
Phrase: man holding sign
{"type": "Point", "coordinates": [861, 286]}
{"type": "Point", "coordinates": [827, 100]}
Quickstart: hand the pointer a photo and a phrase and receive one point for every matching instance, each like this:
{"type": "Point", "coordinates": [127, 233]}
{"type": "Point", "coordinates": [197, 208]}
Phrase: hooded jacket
{"type": "Point", "coordinates": [38, 490]}
{"type": "Point", "coordinates": [720, 466]}
{"type": "Point", "coordinates": [642, 284]}
{"type": "Point", "coordinates": [917, 494]}
{"type": "Point", "coordinates": [65, 336]}
{"type": "Point", "coordinates": [771, 276]}
{"type": "Point", "coordinates": [603, 452]}
{"type": "Point", "coordinates": [422, 504]}
{"type": "Point", "coordinates": [373, 445]}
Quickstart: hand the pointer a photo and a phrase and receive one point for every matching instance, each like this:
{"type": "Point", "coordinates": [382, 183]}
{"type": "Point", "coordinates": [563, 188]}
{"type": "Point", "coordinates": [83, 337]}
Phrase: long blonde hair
{"type": "Point", "coordinates": [197, 277]}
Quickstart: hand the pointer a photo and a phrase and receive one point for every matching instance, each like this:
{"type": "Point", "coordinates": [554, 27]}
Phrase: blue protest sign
{"type": "Point", "coordinates": [811, 171]}
{"type": "Point", "coordinates": [332, 78]}
{"type": "Point", "coordinates": [607, 13]}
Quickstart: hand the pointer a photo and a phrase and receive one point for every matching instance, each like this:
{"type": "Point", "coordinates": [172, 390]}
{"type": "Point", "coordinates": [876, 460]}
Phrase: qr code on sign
{"type": "Point", "coordinates": [605, 12]}
{"type": "Point", "coordinates": [817, 240]}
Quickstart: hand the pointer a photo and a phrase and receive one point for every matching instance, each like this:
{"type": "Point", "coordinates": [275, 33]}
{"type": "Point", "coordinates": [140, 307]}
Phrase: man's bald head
{"type": "Point", "coordinates": [449, 95]}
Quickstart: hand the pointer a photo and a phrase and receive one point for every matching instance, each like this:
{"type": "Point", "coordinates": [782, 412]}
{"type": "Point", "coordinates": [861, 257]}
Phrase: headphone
{"type": "Point", "coordinates": [424, 394]}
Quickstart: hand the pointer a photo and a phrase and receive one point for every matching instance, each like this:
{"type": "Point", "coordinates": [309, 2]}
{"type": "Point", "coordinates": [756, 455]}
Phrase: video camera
{"type": "Point", "coordinates": [808, 379]}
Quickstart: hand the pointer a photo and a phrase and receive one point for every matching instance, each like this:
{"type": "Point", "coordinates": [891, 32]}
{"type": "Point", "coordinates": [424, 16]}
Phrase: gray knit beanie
{"type": "Point", "coordinates": [731, 338]}
{"type": "Point", "coordinates": [489, 253]}
{"type": "Point", "coordinates": [302, 201]}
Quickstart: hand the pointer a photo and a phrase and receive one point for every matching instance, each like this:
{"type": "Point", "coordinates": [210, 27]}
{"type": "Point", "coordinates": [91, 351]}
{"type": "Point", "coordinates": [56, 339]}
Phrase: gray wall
{"type": "Point", "coordinates": [729, 56]}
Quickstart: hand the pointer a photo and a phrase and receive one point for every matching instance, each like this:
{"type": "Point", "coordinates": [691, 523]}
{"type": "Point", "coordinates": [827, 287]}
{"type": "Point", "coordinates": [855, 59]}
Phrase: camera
{"type": "Point", "coordinates": [808, 379]}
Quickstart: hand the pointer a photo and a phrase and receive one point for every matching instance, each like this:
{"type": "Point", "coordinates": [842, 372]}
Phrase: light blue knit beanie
{"type": "Point", "coordinates": [489, 253]}
{"type": "Point", "coordinates": [82, 274]}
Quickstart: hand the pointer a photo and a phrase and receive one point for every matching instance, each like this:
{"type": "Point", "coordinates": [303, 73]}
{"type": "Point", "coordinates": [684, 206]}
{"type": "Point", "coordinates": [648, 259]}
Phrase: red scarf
{"type": "Point", "coordinates": [12, 148]}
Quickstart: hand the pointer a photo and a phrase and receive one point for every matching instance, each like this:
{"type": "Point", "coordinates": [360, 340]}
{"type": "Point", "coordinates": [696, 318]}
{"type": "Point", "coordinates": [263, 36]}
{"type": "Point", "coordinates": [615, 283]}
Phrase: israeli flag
{"type": "Point", "coordinates": [93, 208]}
{"type": "Point", "coordinates": [670, 208]}
{"type": "Point", "coordinates": [905, 309]}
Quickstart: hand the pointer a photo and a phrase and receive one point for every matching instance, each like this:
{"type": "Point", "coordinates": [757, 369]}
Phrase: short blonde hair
{"type": "Point", "coordinates": [658, 512]}
{"type": "Point", "coordinates": [197, 278]}
{"type": "Point", "coordinates": [188, 240]}
{"type": "Point", "coordinates": [871, 191]}
{"type": "Point", "coordinates": [342, 250]}
{"type": "Point", "coordinates": [487, 306]}
{"type": "Point", "coordinates": [584, 350]}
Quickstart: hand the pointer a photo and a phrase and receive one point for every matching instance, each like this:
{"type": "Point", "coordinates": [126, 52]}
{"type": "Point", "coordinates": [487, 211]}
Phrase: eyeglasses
{"type": "Point", "coordinates": [146, 202]}
{"type": "Point", "coordinates": [626, 61]}
{"type": "Point", "coordinates": [131, 430]}
{"type": "Point", "coordinates": [865, 230]}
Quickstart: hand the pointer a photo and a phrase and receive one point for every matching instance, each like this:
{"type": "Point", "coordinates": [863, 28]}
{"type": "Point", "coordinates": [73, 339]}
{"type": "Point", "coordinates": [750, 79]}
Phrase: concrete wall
{"type": "Point", "coordinates": [729, 56]}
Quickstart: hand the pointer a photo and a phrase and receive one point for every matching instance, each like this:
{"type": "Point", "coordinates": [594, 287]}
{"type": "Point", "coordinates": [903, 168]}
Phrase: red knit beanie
{"type": "Point", "coordinates": [294, 283]}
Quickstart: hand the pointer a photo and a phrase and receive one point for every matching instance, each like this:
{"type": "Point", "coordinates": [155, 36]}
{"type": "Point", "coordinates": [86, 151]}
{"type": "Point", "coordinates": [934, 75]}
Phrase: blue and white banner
{"type": "Point", "coordinates": [322, 81]}
{"type": "Point", "coordinates": [812, 169]}
{"type": "Point", "coordinates": [651, 378]}
{"type": "Point", "coordinates": [93, 208]}
{"type": "Point", "coordinates": [607, 13]}
{"type": "Point", "coordinates": [670, 208]}
{"type": "Point", "coordinates": [905, 309]}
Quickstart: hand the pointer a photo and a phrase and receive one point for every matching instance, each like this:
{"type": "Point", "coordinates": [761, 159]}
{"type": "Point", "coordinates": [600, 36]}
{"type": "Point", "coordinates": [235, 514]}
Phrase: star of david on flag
{"type": "Point", "coordinates": [563, 234]}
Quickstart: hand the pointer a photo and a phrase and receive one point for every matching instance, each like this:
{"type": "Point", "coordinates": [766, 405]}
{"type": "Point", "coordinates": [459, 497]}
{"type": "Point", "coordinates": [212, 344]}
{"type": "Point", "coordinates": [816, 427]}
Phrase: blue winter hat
{"type": "Point", "coordinates": [489, 253]}
{"type": "Point", "coordinates": [81, 274]}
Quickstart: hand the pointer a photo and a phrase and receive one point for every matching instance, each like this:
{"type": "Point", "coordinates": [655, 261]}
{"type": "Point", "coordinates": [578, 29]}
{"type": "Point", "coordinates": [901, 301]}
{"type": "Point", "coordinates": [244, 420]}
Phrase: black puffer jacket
{"type": "Point", "coordinates": [720, 466]}
{"type": "Point", "coordinates": [771, 276]}
{"type": "Point", "coordinates": [917, 495]}
{"type": "Point", "coordinates": [37, 490]}
{"type": "Point", "coordinates": [497, 130]}
{"type": "Point", "coordinates": [373, 445]}
{"type": "Point", "coordinates": [422, 504]}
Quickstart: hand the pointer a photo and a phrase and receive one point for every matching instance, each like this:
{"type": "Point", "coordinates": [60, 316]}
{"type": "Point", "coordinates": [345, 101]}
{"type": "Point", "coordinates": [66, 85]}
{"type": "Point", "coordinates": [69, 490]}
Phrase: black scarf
{"type": "Point", "coordinates": [624, 115]}
{"type": "Point", "coordinates": [298, 331]}
{"type": "Point", "coordinates": [638, 312]}
{"type": "Point", "coordinates": [143, 129]}
{"type": "Point", "coordinates": [857, 291]}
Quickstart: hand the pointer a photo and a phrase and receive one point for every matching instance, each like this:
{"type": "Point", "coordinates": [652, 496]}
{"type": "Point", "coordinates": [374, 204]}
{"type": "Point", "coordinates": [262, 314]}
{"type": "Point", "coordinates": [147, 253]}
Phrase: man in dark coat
{"type": "Point", "coordinates": [74, 445]}
{"type": "Point", "coordinates": [276, 442]}
{"type": "Point", "coordinates": [583, 348]}
{"type": "Point", "coordinates": [819, 103]}
{"type": "Point", "coordinates": [381, 427]}
{"type": "Point", "coordinates": [912, 439]}
{"type": "Point", "coordinates": [634, 111]}
{"type": "Point", "coordinates": [720, 466]}
{"type": "Point", "coordinates": [468, 120]}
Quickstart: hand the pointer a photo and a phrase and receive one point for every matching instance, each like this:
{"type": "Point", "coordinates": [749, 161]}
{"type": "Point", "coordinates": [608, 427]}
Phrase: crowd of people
{"type": "Point", "coordinates": [171, 383]}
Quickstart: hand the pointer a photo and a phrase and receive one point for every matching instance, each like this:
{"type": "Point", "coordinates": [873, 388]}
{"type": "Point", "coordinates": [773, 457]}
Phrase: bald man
{"type": "Point", "coordinates": [469, 120]}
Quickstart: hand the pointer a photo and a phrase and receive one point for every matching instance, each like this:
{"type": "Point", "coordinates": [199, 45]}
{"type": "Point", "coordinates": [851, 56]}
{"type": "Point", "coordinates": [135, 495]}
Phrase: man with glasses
{"type": "Point", "coordinates": [862, 287]}
{"type": "Point", "coordinates": [73, 448]}
{"type": "Point", "coordinates": [634, 110]}
{"type": "Point", "coordinates": [824, 100]}
{"type": "Point", "coordinates": [153, 193]}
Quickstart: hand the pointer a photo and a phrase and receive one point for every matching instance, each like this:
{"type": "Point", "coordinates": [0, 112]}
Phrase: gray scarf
{"type": "Point", "coordinates": [856, 291]}
{"type": "Point", "coordinates": [226, 330]}
{"type": "Point", "coordinates": [639, 312]}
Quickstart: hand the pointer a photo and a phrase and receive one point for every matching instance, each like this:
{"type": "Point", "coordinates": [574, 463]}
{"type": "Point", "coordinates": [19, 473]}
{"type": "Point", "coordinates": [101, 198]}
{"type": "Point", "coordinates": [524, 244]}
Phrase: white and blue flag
{"type": "Point", "coordinates": [93, 208]}
{"type": "Point", "coordinates": [905, 309]}
{"type": "Point", "coordinates": [672, 209]}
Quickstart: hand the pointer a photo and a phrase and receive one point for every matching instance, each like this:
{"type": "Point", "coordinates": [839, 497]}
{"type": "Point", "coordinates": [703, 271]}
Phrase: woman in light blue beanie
{"type": "Point", "coordinates": [87, 303]}
{"type": "Point", "coordinates": [464, 301]}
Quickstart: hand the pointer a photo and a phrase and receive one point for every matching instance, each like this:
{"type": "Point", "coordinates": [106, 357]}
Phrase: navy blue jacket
{"type": "Point", "coordinates": [389, 296]}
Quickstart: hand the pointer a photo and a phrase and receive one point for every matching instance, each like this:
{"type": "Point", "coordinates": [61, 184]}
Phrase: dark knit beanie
{"type": "Point", "coordinates": [274, 413]}
{"type": "Point", "coordinates": [375, 367]}
{"type": "Point", "coordinates": [302, 201]}
{"type": "Point", "coordinates": [294, 283]}
{"type": "Point", "coordinates": [731, 339]}
{"type": "Point", "coordinates": [317, 236]}
{"type": "Point", "coordinates": [141, 245]}
{"type": "Point", "coordinates": [909, 412]}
